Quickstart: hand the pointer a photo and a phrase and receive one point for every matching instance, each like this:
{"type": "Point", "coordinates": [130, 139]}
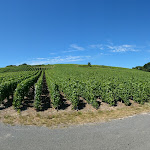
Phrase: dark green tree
{"type": "Point", "coordinates": [89, 64]}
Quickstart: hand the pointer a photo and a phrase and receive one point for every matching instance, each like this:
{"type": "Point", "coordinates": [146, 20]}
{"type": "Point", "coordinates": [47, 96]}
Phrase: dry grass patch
{"type": "Point", "coordinates": [63, 119]}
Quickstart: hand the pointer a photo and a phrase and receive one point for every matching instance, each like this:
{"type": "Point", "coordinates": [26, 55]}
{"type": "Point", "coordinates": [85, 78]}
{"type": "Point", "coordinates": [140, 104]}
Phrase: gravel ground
{"type": "Point", "coordinates": [132, 133]}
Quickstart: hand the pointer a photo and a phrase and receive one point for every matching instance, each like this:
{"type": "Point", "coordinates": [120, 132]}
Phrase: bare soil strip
{"type": "Point", "coordinates": [45, 95]}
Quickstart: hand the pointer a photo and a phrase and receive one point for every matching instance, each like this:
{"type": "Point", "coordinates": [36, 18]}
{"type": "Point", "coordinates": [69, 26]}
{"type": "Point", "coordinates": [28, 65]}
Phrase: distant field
{"type": "Point", "coordinates": [60, 86]}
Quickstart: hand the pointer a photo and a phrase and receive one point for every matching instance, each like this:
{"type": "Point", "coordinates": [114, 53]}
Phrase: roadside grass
{"type": "Point", "coordinates": [65, 119]}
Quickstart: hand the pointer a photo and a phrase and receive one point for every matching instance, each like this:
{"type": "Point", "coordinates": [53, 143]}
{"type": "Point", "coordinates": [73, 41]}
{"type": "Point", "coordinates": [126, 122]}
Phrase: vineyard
{"type": "Point", "coordinates": [93, 84]}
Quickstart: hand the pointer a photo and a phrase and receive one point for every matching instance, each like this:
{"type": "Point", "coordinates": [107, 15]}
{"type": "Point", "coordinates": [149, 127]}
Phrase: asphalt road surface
{"type": "Point", "coordinates": [131, 133]}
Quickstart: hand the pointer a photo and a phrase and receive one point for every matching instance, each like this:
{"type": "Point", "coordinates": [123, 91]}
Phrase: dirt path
{"type": "Point", "coordinates": [45, 95]}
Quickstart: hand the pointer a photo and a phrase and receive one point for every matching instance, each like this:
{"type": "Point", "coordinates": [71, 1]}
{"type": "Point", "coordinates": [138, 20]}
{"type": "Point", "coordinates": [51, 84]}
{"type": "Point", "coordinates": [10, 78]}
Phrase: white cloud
{"type": "Point", "coordinates": [52, 53]}
{"type": "Point", "coordinates": [114, 48]}
{"type": "Point", "coordinates": [76, 47]}
{"type": "Point", "coordinates": [122, 48]}
{"type": "Point", "coordinates": [106, 54]}
{"type": "Point", "coordinates": [70, 51]}
{"type": "Point", "coordinates": [59, 59]}
{"type": "Point", "coordinates": [40, 58]}
{"type": "Point", "coordinates": [97, 46]}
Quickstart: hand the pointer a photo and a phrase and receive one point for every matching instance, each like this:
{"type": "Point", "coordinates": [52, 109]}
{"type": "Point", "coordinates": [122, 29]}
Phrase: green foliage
{"type": "Point", "coordinates": [22, 90]}
{"type": "Point", "coordinates": [89, 64]}
{"type": "Point", "coordinates": [24, 67]}
{"type": "Point", "coordinates": [53, 90]}
{"type": "Point", "coordinates": [109, 84]}
{"type": "Point", "coordinates": [9, 83]}
{"type": "Point", "coordinates": [89, 94]}
{"type": "Point", "coordinates": [38, 92]}
{"type": "Point", "coordinates": [146, 67]}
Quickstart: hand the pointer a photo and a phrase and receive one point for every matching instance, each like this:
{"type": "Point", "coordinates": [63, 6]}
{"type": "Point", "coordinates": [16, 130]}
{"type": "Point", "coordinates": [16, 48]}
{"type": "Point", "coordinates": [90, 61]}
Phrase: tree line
{"type": "Point", "coordinates": [146, 67]}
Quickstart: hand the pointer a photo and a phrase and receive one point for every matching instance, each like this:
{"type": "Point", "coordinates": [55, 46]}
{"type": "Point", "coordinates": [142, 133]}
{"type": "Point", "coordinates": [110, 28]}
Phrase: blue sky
{"type": "Point", "coordinates": [103, 32]}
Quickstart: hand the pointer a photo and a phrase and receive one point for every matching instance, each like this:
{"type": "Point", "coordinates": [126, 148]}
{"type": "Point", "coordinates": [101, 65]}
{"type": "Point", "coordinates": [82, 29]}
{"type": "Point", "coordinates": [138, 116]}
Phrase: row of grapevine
{"type": "Point", "coordinates": [22, 90]}
{"type": "Point", "coordinates": [74, 89]}
{"type": "Point", "coordinates": [71, 91]}
{"type": "Point", "coordinates": [53, 90]}
{"type": "Point", "coordinates": [7, 88]}
{"type": "Point", "coordinates": [12, 75]}
{"type": "Point", "coordinates": [109, 84]}
{"type": "Point", "coordinates": [38, 92]}
{"type": "Point", "coordinates": [24, 67]}
{"type": "Point", "coordinates": [69, 88]}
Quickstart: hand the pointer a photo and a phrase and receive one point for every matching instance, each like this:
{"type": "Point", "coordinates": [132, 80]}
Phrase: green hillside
{"type": "Point", "coordinates": [110, 84]}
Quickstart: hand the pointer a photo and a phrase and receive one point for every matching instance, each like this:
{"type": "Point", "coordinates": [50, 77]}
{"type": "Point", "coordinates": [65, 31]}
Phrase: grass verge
{"type": "Point", "coordinates": [73, 118]}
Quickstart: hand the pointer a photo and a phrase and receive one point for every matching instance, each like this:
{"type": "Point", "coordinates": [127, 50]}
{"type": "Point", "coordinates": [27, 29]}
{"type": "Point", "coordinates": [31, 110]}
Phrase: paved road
{"type": "Point", "coordinates": [132, 133]}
